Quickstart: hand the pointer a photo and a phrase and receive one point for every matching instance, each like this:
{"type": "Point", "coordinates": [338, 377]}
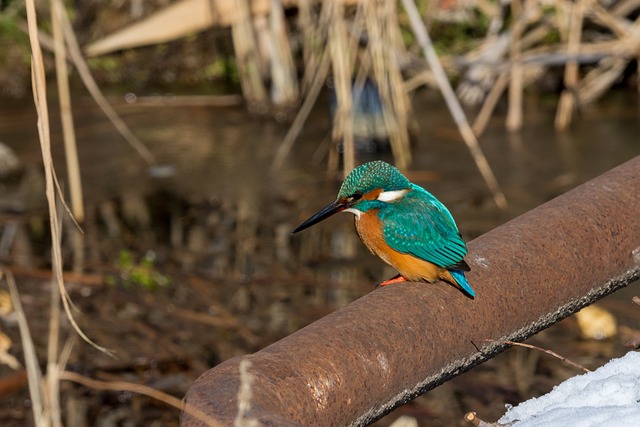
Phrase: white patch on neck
{"type": "Point", "coordinates": [391, 196]}
{"type": "Point", "coordinates": [356, 212]}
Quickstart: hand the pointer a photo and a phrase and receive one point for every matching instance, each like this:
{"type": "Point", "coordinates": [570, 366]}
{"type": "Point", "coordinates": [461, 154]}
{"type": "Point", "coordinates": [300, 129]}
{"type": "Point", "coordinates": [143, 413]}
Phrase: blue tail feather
{"type": "Point", "coordinates": [458, 275]}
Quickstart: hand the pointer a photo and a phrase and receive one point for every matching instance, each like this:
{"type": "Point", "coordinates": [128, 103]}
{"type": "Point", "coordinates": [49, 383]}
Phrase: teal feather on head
{"type": "Point", "coordinates": [373, 175]}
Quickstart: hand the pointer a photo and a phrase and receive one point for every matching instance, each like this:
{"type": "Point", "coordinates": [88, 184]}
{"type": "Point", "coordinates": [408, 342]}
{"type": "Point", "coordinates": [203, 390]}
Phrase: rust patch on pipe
{"type": "Point", "coordinates": [358, 363]}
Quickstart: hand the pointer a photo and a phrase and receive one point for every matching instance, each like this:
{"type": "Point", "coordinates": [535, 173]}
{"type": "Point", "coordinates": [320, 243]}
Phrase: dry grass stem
{"type": "Point", "coordinates": [34, 374]}
{"type": "Point", "coordinates": [41, 397]}
{"type": "Point", "coordinates": [39, 92]}
{"type": "Point", "coordinates": [552, 353]}
{"type": "Point", "coordinates": [66, 114]}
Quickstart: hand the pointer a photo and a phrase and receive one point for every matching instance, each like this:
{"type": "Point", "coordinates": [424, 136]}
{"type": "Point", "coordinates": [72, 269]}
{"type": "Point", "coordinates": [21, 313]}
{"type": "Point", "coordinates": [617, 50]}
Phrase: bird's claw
{"type": "Point", "coordinates": [395, 279]}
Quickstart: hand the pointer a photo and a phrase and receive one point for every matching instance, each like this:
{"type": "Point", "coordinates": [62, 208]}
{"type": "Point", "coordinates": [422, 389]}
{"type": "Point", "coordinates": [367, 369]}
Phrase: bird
{"type": "Point", "coordinates": [401, 223]}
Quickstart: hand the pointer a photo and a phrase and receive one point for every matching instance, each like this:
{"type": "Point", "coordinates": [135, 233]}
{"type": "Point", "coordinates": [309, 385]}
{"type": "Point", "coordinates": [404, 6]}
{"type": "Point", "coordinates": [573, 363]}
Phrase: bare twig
{"type": "Point", "coordinates": [552, 353]}
{"type": "Point", "coordinates": [472, 419]}
{"type": "Point", "coordinates": [144, 390]}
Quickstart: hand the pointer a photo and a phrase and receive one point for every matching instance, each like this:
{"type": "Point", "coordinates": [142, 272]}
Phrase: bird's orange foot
{"type": "Point", "coordinates": [395, 279]}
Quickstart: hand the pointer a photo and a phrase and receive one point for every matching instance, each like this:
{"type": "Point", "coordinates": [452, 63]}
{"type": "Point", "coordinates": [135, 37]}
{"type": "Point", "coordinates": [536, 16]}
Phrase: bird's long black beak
{"type": "Point", "coordinates": [324, 213]}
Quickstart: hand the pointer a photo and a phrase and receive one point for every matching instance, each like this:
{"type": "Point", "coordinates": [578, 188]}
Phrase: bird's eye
{"type": "Point", "coordinates": [354, 197]}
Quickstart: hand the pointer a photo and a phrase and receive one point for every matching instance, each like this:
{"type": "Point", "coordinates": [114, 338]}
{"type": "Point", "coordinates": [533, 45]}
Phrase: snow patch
{"type": "Point", "coordinates": [607, 397]}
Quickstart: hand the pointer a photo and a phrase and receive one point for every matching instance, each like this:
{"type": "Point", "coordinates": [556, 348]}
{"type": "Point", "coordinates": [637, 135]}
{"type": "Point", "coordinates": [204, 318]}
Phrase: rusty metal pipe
{"type": "Point", "coordinates": [358, 363]}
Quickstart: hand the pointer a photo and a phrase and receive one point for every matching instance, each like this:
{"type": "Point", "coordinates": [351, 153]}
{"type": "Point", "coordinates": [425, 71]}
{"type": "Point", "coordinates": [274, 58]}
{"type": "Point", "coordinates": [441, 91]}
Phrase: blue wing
{"type": "Point", "coordinates": [422, 226]}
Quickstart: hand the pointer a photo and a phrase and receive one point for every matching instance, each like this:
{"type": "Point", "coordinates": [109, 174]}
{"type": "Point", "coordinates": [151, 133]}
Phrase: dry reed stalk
{"type": "Point", "coordinates": [79, 62]}
{"type": "Point", "coordinates": [52, 383]}
{"type": "Point", "coordinates": [39, 93]}
{"type": "Point", "coordinates": [359, 63]}
{"type": "Point", "coordinates": [284, 81]}
{"type": "Point", "coordinates": [34, 374]}
{"type": "Point", "coordinates": [399, 101]}
{"type": "Point", "coordinates": [340, 55]}
{"type": "Point", "coordinates": [75, 184]}
{"type": "Point", "coordinates": [596, 82]}
{"type": "Point", "coordinates": [384, 71]}
{"type": "Point", "coordinates": [314, 28]}
{"type": "Point", "coordinates": [343, 48]}
{"type": "Point", "coordinates": [608, 70]}
{"type": "Point", "coordinates": [490, 102]}
{"type": "Point", "coordinates": [319, 77]}
{"type": "Point", "coordinates": [423, 78]}
{"type": "Point", "coordinates": [567, 98]}
{"type": "Point", "coordinates": [68, 132]}
{"type": "Point", "coordinates": [600, 15]}
{"type": "Point", "coordinates": [120, 386]}
{"type": "Point", "coordinates": [459, 117]}
{"type": "Point", "coordinates": [536, 34]}
{"type": "Point", "coordinates": [247, 58]}
{"type": "Point", "coordinates": [42, 412]}
{"type": "Point", "coordinates": [624, 7]}
{"type": "Point", "coordinates": [306, 26]}
{"type": "Point", "coordinates": [514, 115]}
{"type": "Point", "coordinates": [66, 114]}
{"type": "Point", "coordinates": [486, 62]}
{"type": "Point", "coordinates": [264, 43]}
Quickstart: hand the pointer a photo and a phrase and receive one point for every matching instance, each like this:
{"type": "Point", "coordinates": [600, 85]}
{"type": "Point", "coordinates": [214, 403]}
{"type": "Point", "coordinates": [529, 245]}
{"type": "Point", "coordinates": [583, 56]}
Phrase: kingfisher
{"type": "Point", "coordinates": [401, 223]}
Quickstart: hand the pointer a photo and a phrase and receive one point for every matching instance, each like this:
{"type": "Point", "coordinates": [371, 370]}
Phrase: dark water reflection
{"type": "Point", "coordinates": [222, 155]}
{"type": "Point", "coordinates": [233, 217]}
{"type": "Point", "coordinates": [222, 152]}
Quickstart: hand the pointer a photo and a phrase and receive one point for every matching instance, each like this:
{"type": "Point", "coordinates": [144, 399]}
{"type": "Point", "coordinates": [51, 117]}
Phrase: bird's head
{"type": "Point", "coordinates": [368, 186]}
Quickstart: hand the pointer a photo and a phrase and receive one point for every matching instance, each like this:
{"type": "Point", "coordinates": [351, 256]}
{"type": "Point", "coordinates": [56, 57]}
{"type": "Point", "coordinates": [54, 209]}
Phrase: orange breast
{"type": "Point", "coordinates": [369, 229]}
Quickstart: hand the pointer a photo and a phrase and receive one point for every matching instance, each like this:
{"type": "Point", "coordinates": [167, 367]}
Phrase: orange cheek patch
{"type": "Point", "coordinates": [372, 195]}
